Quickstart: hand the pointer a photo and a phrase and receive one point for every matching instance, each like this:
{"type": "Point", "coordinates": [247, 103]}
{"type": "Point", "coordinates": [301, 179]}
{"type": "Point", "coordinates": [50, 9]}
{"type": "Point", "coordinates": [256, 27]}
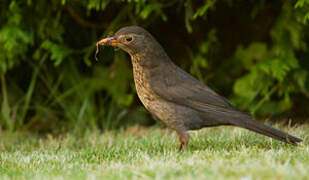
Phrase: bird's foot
{"type": "Point", "coordinates": [182, 146]}
{"type": "Point", "coordinates": [183, 141]}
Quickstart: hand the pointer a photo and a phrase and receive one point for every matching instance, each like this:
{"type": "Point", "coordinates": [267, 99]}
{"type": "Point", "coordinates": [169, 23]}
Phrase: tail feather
{"type": "Point", "coordinates": [245, 121]}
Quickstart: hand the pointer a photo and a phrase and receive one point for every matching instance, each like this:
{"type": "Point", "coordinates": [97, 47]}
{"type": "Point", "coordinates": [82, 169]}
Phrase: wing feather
{"type": "Point", "coordinates": [180, 87]}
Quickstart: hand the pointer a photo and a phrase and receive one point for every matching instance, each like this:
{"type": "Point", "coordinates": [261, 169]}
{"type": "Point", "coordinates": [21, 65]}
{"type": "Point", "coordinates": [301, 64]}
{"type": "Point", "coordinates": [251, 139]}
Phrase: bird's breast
{"type": "Point", "coordinates": [144, 92]}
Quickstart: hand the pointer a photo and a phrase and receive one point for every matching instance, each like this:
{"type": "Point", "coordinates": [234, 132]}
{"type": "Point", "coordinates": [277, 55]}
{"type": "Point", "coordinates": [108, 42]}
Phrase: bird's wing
{"type": "Point", "coordinates": [180, 87]}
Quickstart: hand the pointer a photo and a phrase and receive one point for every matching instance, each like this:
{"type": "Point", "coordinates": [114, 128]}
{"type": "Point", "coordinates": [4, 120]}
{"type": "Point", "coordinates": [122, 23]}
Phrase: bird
{"type": "Point", "coordinates": [174, 96]}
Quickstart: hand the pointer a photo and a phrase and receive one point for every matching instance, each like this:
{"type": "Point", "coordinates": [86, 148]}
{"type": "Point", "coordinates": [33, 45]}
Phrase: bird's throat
{"type": "Point", "coordinates": [144, 61]}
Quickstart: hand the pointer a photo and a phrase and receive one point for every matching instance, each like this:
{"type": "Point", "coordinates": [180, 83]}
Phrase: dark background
{"type": "Point", "coordinates": [255, 53]}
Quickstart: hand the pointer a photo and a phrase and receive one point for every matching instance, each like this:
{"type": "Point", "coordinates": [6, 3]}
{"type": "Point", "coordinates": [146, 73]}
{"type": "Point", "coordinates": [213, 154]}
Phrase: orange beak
{"type": "Point", "coordinates": [110, 41]}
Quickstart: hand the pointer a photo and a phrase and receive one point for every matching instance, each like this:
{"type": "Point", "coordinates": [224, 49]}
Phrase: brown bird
{"type": "Point", "coordinates": [174, 96]}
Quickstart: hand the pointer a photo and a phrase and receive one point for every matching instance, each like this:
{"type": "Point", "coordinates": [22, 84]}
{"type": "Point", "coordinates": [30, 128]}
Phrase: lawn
{"type": "Point", "coordinates": [151, 153]}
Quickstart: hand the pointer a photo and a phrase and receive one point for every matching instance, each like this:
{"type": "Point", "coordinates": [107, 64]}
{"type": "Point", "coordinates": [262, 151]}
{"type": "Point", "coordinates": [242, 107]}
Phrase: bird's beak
{"type": "Point", "coordinates": [110, 41]}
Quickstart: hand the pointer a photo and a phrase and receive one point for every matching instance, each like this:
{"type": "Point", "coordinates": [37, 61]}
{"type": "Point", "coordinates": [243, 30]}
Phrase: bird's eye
{"type": "Point", "coordinates": [129, 39]}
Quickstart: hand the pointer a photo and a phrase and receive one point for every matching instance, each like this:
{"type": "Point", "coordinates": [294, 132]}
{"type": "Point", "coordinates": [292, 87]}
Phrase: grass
{"type": "Point", "coordinates": [150, 153]}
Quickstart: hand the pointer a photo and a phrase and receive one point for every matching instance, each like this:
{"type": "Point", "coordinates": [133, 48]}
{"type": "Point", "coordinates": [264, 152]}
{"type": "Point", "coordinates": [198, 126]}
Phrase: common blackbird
{"type": "Point", "coordinates": [174, 96]}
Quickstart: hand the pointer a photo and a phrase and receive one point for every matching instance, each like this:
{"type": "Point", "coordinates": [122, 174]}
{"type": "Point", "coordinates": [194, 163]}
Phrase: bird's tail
{"type": "Point", "coordinates": [245, 121]}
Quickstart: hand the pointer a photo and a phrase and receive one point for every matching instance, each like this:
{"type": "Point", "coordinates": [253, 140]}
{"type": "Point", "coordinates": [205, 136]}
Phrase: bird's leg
{"type": "Point", "coordinates": [183, 138]}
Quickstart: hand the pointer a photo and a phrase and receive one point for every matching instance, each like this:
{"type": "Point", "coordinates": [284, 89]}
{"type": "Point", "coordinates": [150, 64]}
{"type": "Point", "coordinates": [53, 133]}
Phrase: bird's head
{"type": "Point", "coordinates": [137, 42]}
{"type": "Point", "coordinates": [132, 39]}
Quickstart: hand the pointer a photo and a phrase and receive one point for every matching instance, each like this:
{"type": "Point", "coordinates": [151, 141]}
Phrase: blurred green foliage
{"type": "Point", "coordinates": [256, 54]}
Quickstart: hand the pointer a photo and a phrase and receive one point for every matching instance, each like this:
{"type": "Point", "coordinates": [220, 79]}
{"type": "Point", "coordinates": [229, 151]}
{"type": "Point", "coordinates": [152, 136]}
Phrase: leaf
{"type": "Point", "coordinates": [276, 107]}
{"type": "Point", "coordinates": [301, 3]}
{"type": "Point", "coordinates": [188, 15]}
{"type": "Point", "coordinates": [306, 18]}
{"type": "Point", "coordinates": [256, 52]}
{"type": "Point", "coordinates": [301, 76]}
{"type": "Point", "coordinates": [148, 9]}
{"type": "Point", "coordinates": [202, 10]}
{"type": "Point", "coordinates": [247, 86]}
{"type": "Point", "coordinates": [58, 52]}
{"type": "Point", "coordinates": [97, 4]}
